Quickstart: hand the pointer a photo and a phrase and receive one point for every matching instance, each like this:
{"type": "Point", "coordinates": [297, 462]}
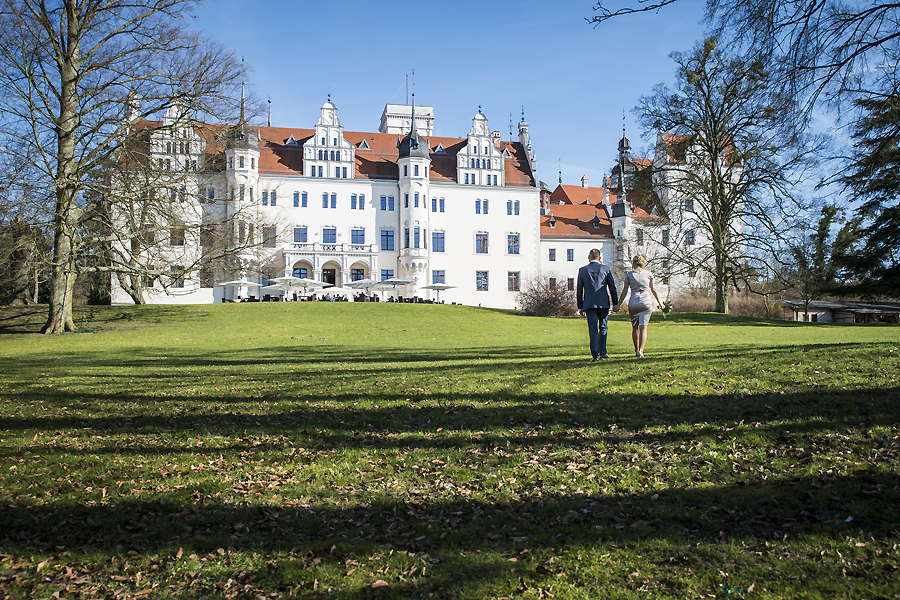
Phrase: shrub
{"type": "Point", "coordinates": [538, 299]}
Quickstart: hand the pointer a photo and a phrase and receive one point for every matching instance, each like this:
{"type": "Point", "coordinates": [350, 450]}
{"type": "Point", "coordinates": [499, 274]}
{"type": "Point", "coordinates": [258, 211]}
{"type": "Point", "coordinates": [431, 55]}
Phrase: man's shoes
{"type": "Point", "coordinates": [598, 358]}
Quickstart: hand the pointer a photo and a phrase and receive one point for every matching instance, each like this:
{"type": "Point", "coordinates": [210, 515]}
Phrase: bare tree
{"type": "Point", "coordinates": [79, 77]}
{"type": "Point", "coordinates": [829, 47]}
{"type": "Point", "coordinates": [727, 166]}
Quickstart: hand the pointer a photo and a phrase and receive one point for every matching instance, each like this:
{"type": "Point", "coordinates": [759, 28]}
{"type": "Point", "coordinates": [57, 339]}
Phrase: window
{"type": "Point", "coordinates": [552, 254]}
{"type": "Point", "coordinates": [485, 206]}
{"type": "Point", "coordinates": [176, 236]}
{"type": "Point", "coordinates": [553, 283]}
{"type": "Point", "coordinates": [296, 199]}
{"type": "Point", "coordinates": [570, 284]}
{"type": "Point", "coordinates": [357, 274]}
{"type": "Point", "coordinates": [207, 235]}
{"type": "Point", "coordinates": [467, 178]}
{"type": "Point", "coordinates": [211, 193]}
{"type": "Point", "coordinates": [362, 201]}
{"type": "Point", "coordinates": [150, 280]}
{"type": "Point", "coordinates": [495, 180]}
{"type": "Point", "coordinates": [689, 237]}
{"type": "Point", "coordinates": [242, 232]}
{"type": "Point", "coordinates": [387, 274]}
{"type": "Point", "coordinates": [301, 272]}
{"type": "Point", "coordinates": [509, 207]}
{"type": "Point", "coordinates": [639, 237]}
{"type": "Point", "coordinates": [303, 200]}
{"type": "Point", "coordinates": [416, 233]}
{"type": "Point", "coordinates": [344, 171]}
{"type": "Point", "coordinates": [478, 207]}
{"type": "Point", "coordinates": [240, 162]}
{"type": "Point", "coordinates": [206, 277]}
{"type": "Point", "coordinates": [387, 239]}
{"type": "Point", "coordinates": [512, 243]}
{"type": "Point", "coordinates": [325, 200]}
{"type": "Point", "coordinates": [265, 198]}
{"type": "Point", "coordinates": [358, 236]}
{"type": "Point", "coordinates": [481, 243]}
{"type": "Point", "coordinates": [337, 172]}
{"type": "Point", "coordinates": [516, 207]}
{"type": "Point", "coordinates": [242, 192]}
{"type": "Point", "coordinates": [177, 276]}
{"type": "Point", "coordinates": [416, 199]}
{"type": "Point", "coordinates": [689, 205]}
{"type": "Point", "coordinates": [390, 203]}
{"type": "Point", "coordinates": [252, 162]}
{"type": "Point", "coordinates": [269, 234]}
{"type": "Point", "coordinates": [406, 201]}
{"type": "Point", "coordinates": [437, 277]}
{"type": "Point", "coordinates": [299, 235]}
{"type": "Point", "coordinates": [434, 205]}
{"type": "Point", "coordinates": [513, 281]}
{"type": "Point", "coordinates": [405, 170]}
{"type": "Point", "coordinates": [437, 241]}
{"type": "Point", "coordinates": [320, 172]}
{"type": "Point", "coordinates": [665, 238]}
{"type": "Point", "coordinates": [329, 235]}
{"type": "Point", "coordinates": [406, 238]}
{"type": "Point", "coordinates": [441, 205]}
{"type": "Point", "coordinates": [416, 170]}
{"type": "Point", "coordinates": [320, 155]}
{"type": "Point", "coordinates": [352, 201]}
{"type": "Point", "coordinates": [272, 198]}
{"type": "Point", "coordinates": [384, 203]}
{"type": "Point", "coordinates": [481, 281]}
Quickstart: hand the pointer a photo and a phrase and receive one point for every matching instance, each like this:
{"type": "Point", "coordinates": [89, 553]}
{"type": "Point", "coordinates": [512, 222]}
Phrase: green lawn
{"type": "Point", "coordinates": [402, 451]}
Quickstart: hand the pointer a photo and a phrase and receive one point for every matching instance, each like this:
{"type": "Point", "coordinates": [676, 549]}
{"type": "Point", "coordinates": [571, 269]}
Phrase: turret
{"type": "Point", "coordinates": [414, 162]}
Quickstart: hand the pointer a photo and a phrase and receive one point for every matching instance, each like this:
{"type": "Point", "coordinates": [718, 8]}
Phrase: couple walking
{"type": "Point", "coordinates": [595, 289]}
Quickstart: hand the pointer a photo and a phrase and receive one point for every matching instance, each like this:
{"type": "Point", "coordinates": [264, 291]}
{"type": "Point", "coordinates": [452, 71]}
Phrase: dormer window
{"type": "Point", "coordinates": [335, 142]}
{"type": "Point", "coordinates": [323, 141]}
{"type": "Point", "coordinates": [596, 221]}
{"type": "Point", "coordinates": [552, 221]}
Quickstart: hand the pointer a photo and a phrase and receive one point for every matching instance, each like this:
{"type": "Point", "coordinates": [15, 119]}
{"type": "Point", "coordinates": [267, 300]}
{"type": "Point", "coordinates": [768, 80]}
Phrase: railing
{"type": "Point", "coordinates": [317, 247]}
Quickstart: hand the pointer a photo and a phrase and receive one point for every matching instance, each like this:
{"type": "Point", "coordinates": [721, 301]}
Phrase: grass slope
{"type": "Point", "coordinates": [395, 451]}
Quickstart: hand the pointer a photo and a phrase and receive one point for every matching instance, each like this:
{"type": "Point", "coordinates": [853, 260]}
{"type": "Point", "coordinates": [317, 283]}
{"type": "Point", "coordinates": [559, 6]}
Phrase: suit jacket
{"type": "Point", "coordinates": [595, 286]}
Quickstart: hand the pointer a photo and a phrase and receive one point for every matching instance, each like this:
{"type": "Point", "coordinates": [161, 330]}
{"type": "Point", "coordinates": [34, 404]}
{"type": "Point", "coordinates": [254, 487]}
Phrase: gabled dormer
{"type": "Point", "coordinates": [481, 161]}
{"type": "Point", "coordinates": [327, 153]}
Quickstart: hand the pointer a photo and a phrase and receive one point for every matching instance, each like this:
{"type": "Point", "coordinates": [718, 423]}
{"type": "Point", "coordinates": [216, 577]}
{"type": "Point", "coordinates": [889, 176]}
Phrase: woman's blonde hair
{"type": "Point", "coordinates": [638, 262]}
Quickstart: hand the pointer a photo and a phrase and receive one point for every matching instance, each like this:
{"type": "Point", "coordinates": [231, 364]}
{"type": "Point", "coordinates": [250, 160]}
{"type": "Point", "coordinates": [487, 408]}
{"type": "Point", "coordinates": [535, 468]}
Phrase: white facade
{"type": "Point", "coordinates": [338, 206]}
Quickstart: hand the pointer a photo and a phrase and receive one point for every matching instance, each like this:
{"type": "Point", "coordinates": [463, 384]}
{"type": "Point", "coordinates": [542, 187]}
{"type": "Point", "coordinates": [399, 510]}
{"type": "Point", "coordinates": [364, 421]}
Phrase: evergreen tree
{"type": "Point", "coordinates": [873, 178]}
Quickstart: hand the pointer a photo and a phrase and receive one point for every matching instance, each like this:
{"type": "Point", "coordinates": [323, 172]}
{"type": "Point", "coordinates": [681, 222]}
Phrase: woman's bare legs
{"type": "Point", "coordinates": [636, 339]}
{"type": "Point", "coordinates": [640, 338]}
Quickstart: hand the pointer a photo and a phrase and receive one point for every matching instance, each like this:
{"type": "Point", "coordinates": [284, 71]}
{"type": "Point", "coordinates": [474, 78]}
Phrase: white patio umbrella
{"type": "Point", "coordinates": [363, 284]}
{"type": "Point", "coordinates": [438, 287]}
{"type": "Point", "coordinates": [240, 284]}
{"type": "Point", "coordinates": [291, 283]}
{"type": "Point", "coordinates": [392, 284]}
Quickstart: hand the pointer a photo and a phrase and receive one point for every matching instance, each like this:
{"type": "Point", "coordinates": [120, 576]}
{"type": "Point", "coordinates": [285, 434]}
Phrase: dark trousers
{"type": "Point", "coordinates": [596, 320]}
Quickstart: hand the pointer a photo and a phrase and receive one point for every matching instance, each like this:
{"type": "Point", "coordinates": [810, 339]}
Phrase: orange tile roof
{"type": "Point", "coordinates": [575, 221]}
{"type": "Point", "coordinates": [378, 161]}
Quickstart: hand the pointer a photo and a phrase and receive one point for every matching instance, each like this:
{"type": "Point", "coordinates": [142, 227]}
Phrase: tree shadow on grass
{"type": "Point", "coordinates": [465, 542]}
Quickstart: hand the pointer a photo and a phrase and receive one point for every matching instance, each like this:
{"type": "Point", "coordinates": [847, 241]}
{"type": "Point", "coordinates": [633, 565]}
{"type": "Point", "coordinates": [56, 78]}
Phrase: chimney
{"type": "Point", "coordinates": [584, 181]}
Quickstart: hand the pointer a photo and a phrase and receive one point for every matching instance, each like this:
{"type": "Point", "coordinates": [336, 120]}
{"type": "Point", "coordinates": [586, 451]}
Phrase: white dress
{"type": "Point", "coordinates": [640, 303]}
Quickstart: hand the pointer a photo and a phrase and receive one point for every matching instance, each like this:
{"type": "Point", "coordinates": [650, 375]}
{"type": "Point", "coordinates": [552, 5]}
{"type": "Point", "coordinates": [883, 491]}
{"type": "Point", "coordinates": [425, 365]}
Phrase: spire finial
{"type": "Point", "coordinates": [559, 164]}
{"type": "Point", "coordinates": [270, 111]}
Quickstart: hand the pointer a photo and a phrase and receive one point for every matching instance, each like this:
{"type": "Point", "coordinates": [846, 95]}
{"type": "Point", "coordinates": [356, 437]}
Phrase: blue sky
{"type": "Point", "coordinates": [572, 79]}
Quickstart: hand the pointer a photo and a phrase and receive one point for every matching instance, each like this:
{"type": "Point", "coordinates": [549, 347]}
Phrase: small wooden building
{"type": "Point", "coordinates": [821, 311]}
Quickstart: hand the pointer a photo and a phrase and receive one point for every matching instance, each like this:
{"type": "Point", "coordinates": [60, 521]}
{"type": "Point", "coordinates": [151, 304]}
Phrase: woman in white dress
{"type": "Point", "coordinates": [640, 304]}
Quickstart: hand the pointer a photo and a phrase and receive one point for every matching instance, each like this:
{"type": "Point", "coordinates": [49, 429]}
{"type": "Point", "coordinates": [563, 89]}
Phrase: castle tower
{"type": "Point", "coordinates": [414, 162]}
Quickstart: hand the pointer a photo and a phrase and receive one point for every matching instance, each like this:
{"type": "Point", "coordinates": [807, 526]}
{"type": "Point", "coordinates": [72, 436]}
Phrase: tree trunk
{"type": "Point", "coordinates": [67, 217]}
{"type": "Point", "coordinates": [23, 249]}
{"type": "Point", "coordinates": [721, 282]}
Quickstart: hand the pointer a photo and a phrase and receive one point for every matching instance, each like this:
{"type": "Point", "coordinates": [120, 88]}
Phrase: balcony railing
{"type": "Point", "coordinates": [317, 247]}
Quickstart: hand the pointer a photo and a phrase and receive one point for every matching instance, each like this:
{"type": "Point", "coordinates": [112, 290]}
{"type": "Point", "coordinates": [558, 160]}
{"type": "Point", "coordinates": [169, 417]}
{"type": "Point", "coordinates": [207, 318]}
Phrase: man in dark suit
{"type": "Point", "coordinates": [595, 288]}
